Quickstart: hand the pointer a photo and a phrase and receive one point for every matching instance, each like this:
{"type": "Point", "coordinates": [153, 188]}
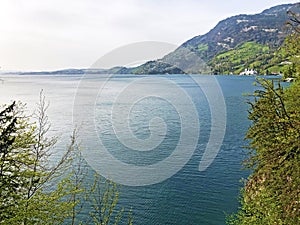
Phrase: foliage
{"type": "Point", "coordinates": [284, 60]}
{"type": "Point", "coordinates": [25, 170]}
{"type": "Point", "coordinates": [271, 194]}
{"type": "Point", "coordinates": [290, 52]}
{"type": "Point", "coordinates": [156, 67]}
{"type": "Point", "coordinates": [33, 191]}
{"type": "Point", "coordinates": [249, 55]}
{"type": "Point", "coordinates": [14, 153]}
{"type": "Point", "coordinates": [291, 48]}
{"type": "Point", "coordinates": [96, 201]}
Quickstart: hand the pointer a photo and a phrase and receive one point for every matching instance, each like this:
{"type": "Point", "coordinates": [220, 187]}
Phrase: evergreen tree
{"type": "Point", "coordinates": [34, 192]}
{"type": "Point", "coordinates": [24, 171]}
{"type": "Point", "coordinates": [271, 194]}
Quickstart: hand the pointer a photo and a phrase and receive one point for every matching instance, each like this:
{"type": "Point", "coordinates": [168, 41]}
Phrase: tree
{"type": "Point", "coordinates": [97, 196]}
{"type": "Point", "coordinates": [25, 172]}
{"type": "Point", "coordinates": [291, 46]}
{"type": "Point", "coordinates": [32, 191]}
{"type": "Point", "coordinates": [271, 194]}
{"type": "Point", "coordinates": [15, 142]}
{"type": "Point", "coordinates": [290, 52]}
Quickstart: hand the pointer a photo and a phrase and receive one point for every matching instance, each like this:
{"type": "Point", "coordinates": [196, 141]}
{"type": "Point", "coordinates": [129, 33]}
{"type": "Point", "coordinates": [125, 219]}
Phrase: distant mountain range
{"type": "Point", "coordinates": [234, 44]}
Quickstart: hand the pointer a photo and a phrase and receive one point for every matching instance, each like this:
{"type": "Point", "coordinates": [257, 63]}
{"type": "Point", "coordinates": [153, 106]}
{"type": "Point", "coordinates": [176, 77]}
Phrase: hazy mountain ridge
{"type": "Point", "coordinates": [199, 54]}
{"type": "Point", "coordinates": [266, 28]}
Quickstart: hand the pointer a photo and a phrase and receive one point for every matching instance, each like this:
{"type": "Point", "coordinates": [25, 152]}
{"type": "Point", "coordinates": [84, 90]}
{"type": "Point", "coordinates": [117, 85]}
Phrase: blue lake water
{"type": "Point", "coordinates": [189, 196]}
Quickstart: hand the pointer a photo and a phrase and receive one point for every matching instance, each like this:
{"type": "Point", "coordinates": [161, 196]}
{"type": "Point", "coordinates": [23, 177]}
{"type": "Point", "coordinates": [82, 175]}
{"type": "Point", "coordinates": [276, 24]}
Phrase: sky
{"type": "Point", "coordinates": [57, 34]}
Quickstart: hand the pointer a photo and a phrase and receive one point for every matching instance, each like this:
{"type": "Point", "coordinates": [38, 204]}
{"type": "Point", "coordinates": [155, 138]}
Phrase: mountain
{"type": "Point", "coordinates": [264, 28]}
{"type": "Point", "coordinates": [246, 39]}
{"type": "Point", "coordinates": [233, 45]}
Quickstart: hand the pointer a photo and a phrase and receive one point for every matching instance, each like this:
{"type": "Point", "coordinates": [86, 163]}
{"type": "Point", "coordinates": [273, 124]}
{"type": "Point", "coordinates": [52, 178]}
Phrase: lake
{"type": "Point", "coordinates": [173, 112]}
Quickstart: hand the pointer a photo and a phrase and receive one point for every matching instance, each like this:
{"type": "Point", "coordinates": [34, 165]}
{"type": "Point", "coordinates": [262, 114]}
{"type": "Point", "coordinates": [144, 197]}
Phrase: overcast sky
{"type": "Point", "coordinates": [57, 34]}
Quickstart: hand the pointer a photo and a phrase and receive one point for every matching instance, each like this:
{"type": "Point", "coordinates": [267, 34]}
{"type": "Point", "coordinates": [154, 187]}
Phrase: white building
{"type": "Point", "coordinates": [248, 72]}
